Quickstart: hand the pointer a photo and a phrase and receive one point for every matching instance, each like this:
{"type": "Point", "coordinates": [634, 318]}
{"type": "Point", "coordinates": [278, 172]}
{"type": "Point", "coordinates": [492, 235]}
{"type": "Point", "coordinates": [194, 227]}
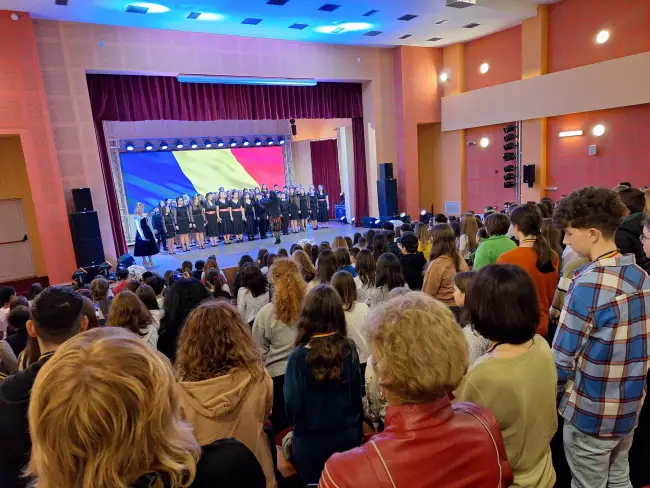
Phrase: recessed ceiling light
{"type": "Point", "coordinates": [61, 3]}
{"type": "Point", "coordinates": [204, 16]}
{"type": "Point", "coordinates": [329, 7]}
{"type": "Point", "coordinates": [355, 26]}
{"type": "Point", "coordinates": [602, 37]}
{"type": "Point", "coordinates": [485, 68]}
{"type": "Point", "coordinates": [407, 17]}
{"type": "Point", "coordinates": [435, 39]}
{"type": "Point", "coordinates": [405, 36]}
{"type": "Point", "coordinates": [471, 25]}
{"type": "Point", "coordinates": [249, 21]}
{"type": "Point", "coordinates": [370, 12]}
{"type": "Point", "coordinates": [598, 130]}
{"type": "Point", "coordinates": [151, 8]}
{"type": "Point", "coordinates": [298, 26]}
{"type": "Point", "coordinates": [279, 3]}
{"type": "Point", "coordinates": [372, 33]}
{"type": "Point", "coordinates": [485, 142]}
{"type": "Point", "coordinates": [443, 21]}
{"type": "Point", "coordinates": [444, 77]}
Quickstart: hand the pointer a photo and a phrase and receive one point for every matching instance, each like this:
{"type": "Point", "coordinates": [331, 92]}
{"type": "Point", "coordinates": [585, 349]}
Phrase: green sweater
{"type": "Point", "coordinates": [490, 249]}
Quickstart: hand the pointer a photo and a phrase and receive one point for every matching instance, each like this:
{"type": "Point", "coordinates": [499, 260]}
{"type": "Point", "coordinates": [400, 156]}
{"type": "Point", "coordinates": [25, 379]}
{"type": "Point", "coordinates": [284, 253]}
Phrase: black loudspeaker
{"type": "Point", "coordinates": [387, 196]}
{"type": "Point", "coordinates": [367, 222]}
{"type": "Point", "coordinates": [386, 171]}
{"type": "Point", "coordinates": [125, 260]}
{"type": "Point", "coordinates": [82, 200]}
{"type": "Point", "coordinates": [529, 174]}
{"type": "Point", "coordinates": [87, 238]}
{"type": "Point", "coordinates": [294, 129]}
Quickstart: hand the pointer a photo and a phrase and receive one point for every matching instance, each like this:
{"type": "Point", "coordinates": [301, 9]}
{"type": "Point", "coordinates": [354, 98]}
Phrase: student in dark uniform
{"type": "Point", "coordinates": [170, 228]}
{"type": "Point", "coordinates": [238, 216]}
{"type": "Point", "coordinates": [145, 243]}
{"type": "Point", "coordinates": [159, 226]}
{"type": "Point", "coordinates": [183, 220]}
{"type": "Point", "coordinates": [323, 206]}
{"type": "Point", "coordinates": [313, 208]}
{"type": "Point", "coordinates": [198, 214]}
{"type": "Point", "coordinates": [304, 209]}
{"type": "Point", "coordinates": [275, 217]}
{"type": "Point", "coordinates": [284, 210]}
{"type": "Point", "coordinates": [224, 217]}
{"type": "Point", "coordinates": [251, 218]}
{"type": "Point", "coordinates": [294, 209]}
{"type": "Point", "coordinates": [212, 226]}
{"type": "Point", "coordinates": [263, 215]}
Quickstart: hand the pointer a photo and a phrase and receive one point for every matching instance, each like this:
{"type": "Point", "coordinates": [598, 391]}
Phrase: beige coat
{"type": "Point", "coordinates": [439, 278]}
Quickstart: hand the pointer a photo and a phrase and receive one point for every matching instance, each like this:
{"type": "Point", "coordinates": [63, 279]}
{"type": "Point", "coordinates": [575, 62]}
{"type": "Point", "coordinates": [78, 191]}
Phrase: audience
{"type": "Point", "coordinates": [323, 385]}
{"type": "Point", "coordinates": [339, 241]}
{"type": "Point", "coordinates": [515, 379]}
{"type": "Point", "coordinates": [199, 265]}
{"type": "Point", "coordinates": [158, 285]}
{"type": "Point", "coordinates": [7, 294]}
{"type": "Point", "coordinates": [17, 319]}
{"type": "Point", "coordinates": [444, 262]}
{"type": "Point", "coordinates": [412, 261]}
{"type": "Point", "coordinates": [535, 256]}
{"type": "Point", "coordinates": [99, 289]}
{"type": "Point", "coordinates": [253, 294]}
{"type": "Point", "coordinates": [393, 248]}
{"type": "Point", "coordinates": [123, 280]}
{"type": "Point", "coordinates": [379, 245]}
{"type": "Point", "coordinates": [105, 413]}
{"type": "Point", "coordinates": [362, 243]}
{"type": "Point", "coordinates": [476, 343]}
{"type": "Point", "coordinates": [343, 260]}
{"type": "Point", "coordinates": [424, 239]}
{"type": "Point", "coordinates": [553, 236]}
{"type": "Point", "coordinates": [90, 312]}
{"type": "Point", "coordinates": [326, 266]}
{"type": "Point", "coordinates": [224, 389]}
{"type": "Point", "coordinates": [129, 312]}
{"type": "Point", "coordinates": [498, 242]}
{"type": "Point", "coordinates": [34, 290]}
{"type": "Point", "coordinates": [366, 269]}
{"type": "Point", "coordinates": [132, 286]}
{"type": "Point", "coordinates": [627, 234]}
{"type": "Point", "coordinates": [242, 261]}
{"type": "Point", "coordinates": [217, 285]}
{"type": "Point", "coordinates": [420, 355]}
{"type": "Point", "coordinates": [468, 230]}
{"type": "Point", "coordinates": [389, 276]}
{"type": "Point", "coordinates": [274, 332]}
{"type": "Point", "coordinates": [304, 263]}
{"type": "Point", "coordinates": [147, 296]}
{"type": "Point", "coordinates": [314, 254]}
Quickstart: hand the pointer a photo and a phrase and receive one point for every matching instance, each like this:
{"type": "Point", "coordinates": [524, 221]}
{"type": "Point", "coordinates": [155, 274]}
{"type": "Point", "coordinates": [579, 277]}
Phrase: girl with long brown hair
{"type": "Point", "coordinates": [424, 239]}
{"type": "Point", "coordinates": [306, 267]}
{"type": "Point", "coordinates": [326, 266]}
{"type": "Point", "coordinates": [444, 263]}
{"type": "Point", "coordinates": [128, 311]}
{"type": "Point", "coordinates": [224, 390]}
{"type": "Point", "coordinates": [468, 230]}
{"type": "Point", "coordinates": [274, 331]}
{"type": "Point", "coordinates": [366, 268]}
{"type": "Point", "coordinates": [389, 276]}
{"type": "Point", "coordinates": [323, 385]}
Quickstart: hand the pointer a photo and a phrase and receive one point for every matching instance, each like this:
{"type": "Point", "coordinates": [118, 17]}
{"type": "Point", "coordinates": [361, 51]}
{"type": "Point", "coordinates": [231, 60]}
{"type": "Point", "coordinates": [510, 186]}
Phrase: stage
{"type": "Point", "coordinates": [228, 256]}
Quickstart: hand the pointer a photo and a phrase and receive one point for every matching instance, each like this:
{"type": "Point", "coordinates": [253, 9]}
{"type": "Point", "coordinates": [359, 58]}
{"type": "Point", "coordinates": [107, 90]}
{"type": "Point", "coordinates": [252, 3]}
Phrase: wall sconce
{"type": "Point", "coordinates": [485, 142]}
{"type": "Point", "coordinates": [444, 77]}
{"type": "Point", "coordinates": [602, 37]}
{"type": "Point", "coordinates": [598, 130]}
{"type": "Point", "coordinates": [572, 133]}
{"type": "Point", "coordinates": [484, 68]}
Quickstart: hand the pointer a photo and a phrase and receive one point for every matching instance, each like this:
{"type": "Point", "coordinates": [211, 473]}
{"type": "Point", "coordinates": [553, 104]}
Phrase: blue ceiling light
{"type": "Point", "coordinates": [163, 145]}
{"type": "Point", "coordinates": [206, 16]}
{"type": "Point", "coordinates": [179, 144]}
{"type": "Point", "coordinates": [245, 142]}
{"type": "Point", "coordinates": [281, 140]}
{"type": "Point", "coordinates": [220, 142]}
{"type": "Point", "coordinates": [194, 144]}
{"type": "Point", "coordinates": [129, 146]}
{"type": "Point", "coordinates": [269, 141]}
{"type": "Point", "coordinates": [148, 146]}
{"type": "Point", "coordinates": [148, 7]}
{"type": "Point", "coordinates": [245, 80]}
{"type": "Point", "coordinates": [207, 143]}
{"type": "Point", "coordinates": [233, 143]}
{"type": "Point", "coordinates": [258, 142]}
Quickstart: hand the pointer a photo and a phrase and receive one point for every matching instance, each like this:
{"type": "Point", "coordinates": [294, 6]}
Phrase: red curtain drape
{"type": "Point", "coordinates": [325, 169]}
{"type": "Point", "coordinates": [129, 98]}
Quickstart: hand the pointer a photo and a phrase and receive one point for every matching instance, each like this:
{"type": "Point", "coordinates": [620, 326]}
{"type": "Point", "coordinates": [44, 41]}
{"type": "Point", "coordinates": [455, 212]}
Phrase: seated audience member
{"type": "Point", "coordinates": [170, 277]}
{"type": "Point", "coordinates": [147, 296]}
{"type": "Point", "coordinates": [419, 353]}
{"type": "Point", "coordinates": [366, 269]}
{"type": "Point", "coordinates": [283, 253]}
{"type": "Point", "coordinates": [34, 290]}
{"type": "Point", "coordinates": [348, 240]}
{"type": "Point", "coordinates": [627, 234]}
{"type": "Point", "coordinates": [261, 252]}
{"type": "Point", "coordinates": [267, 261]}
{"type": "Point", "coordinates": [158, 286]}
{"type": "Point", "coordinates": [387, 226]}
{"type": "Point", "coordinates": [354, 251]}
{"type": "Point", "coordinates": [324, 245]}
{"type": "Point", "coordinates": [476, 343]}
{"type": "Point", "coordinates": [294, 247]}
{"type": "Point", "coordinates": [245, 259]}
{"type": "Point", "coordinates": [91, 314]}
{"type": "Point", "coordinates": [444, 262]}
{"type": "Point", "coordinates": [7, 294]}
{"type": "Point", "coordinates": [186, 269]}
{"type": "Point", "coordinates": [129, 312]}
{"type": "Point", "coordinates": [211, 263]}
{"type": "Point", "coordinates": [516, 377]}
{"type": "Point", "coordinates": [217, 286]}
{"type": "Point", "coordinates": [99, 289]}
{"type": "Point", "coordinates": [132, 286]}
{"type": "Point", "coordinates": [412, 261]}
{"type": "Point", "coordinates": [253, 294]}
{"type": "Point", "coordinates": [405, 228]}
{"type": "Point", "coordinates": [8, 360]}
{"type": "Point", "coordinates": [468, 230]}
{"type": "Point", "coordinates": [315, 251]}
{"type": "Point", "coordinates": [303, 260]}
{"type": "Point", "coordinates": [104, 413]}
{"type": "Point", "coordinates": [379, 245]}
{"type": "Point", "coordinates": [343, 260]}
{"type": "Point", "coordinates": [535, 256]}
{"type": "Point", "coordinates": [323, 385]}
{"type": "Point", "coordinates": [355, 240]}
{"type": "Point", "coordinates": [421, 231]}
{"type": "Point", "coordinates": [183, 297]}
{"type": "Point", "coordinates": [362, 243]}
{"type": "Point", "coordinates": [197, 274]}
{"type": "Point", "coordinates": [599, 341]}
{"type": "Point", "coordinates": [57, 315]}
{"type": "Point", "coordinates": [455, 226]}
{"type": "Point", "coordinates": [440, 219]}
{"type": "Point", "coordinates": [339, 241]}
{"type": "Point", "coordinates": [225, 390]}
{"type": "Point", "coordinates": [355, 314]}
{"type": "Point", "coordinates": [392, 245]}
{"type": "Point", "coordinates": [274, 332]}
{"type": "Point", "coordinates": [497, 226]}
{"type": "Point", "coordinates": [85, 292]}
{"type": "Point", "coordinates": [307, 247]}
{"type": "Point", "coordinates": [122, 281]}
{"type": "Point", "coordinates": [17, 319]}
{"type": "Point", "coordinates": [326, 266]}
{"type": "Point", "coordinates": [389, 276]}
{"type": "Point", "coordinates": [369, 235]}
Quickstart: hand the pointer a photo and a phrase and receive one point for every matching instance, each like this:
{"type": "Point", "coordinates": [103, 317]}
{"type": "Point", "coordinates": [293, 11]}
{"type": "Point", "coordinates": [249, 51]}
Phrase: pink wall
{"type": "Point", "coordinates": [24, 112]}
{"type": "Point", "coordinates": [502, 51]}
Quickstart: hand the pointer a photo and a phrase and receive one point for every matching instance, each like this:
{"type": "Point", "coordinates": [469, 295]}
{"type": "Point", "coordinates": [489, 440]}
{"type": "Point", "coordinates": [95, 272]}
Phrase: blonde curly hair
{"type": "Point", "coordinates": [104, 411]}
{"type": "Point", "coordinates": [289, 290]}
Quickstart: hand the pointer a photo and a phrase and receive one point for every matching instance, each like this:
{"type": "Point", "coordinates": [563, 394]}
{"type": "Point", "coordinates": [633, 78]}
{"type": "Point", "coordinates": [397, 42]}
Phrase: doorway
{"type": "Point", "coordinates": [16, 260]}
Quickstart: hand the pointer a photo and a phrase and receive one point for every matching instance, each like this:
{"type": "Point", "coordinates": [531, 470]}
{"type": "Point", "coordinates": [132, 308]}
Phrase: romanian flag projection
{"type": "Point", "coordinates": [153, 176]}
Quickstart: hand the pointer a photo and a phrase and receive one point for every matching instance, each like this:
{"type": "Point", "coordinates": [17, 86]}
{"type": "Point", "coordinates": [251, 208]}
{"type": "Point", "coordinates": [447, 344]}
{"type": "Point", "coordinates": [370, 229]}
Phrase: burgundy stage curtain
{"type": "Point", "coordinates": [361, 206]}
{"type": "Point", "coordinates": [325, 170]}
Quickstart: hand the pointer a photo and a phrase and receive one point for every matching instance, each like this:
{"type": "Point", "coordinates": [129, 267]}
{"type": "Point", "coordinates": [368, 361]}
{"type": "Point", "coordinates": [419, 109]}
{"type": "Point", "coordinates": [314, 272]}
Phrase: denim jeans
{"type": "Point", "coordinates": [597, 462]}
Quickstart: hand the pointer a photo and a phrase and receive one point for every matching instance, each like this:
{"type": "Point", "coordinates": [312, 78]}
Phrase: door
{"type": "Point", "coordinates": [16, 260]}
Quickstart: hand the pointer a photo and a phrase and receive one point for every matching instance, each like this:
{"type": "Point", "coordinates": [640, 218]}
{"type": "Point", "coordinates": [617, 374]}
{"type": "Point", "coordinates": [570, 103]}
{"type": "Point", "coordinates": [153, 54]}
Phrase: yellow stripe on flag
{"type": "Point", "coordinates": [210, 169]}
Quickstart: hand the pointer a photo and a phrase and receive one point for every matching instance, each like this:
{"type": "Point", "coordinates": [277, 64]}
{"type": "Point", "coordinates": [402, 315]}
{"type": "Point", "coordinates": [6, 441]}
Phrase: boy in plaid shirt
{"type": "Point", "coordinates": [601, 347]}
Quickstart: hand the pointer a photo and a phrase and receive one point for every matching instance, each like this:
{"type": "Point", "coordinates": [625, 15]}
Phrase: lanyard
{"type": "Point", "coordinates": [318, 336]}
{"type": "Point", "coordinates": [493, 346]}
{"type": "Point", "coordinates": [528, 240]}
{"type": "Point", "coordinates": [609, 254]}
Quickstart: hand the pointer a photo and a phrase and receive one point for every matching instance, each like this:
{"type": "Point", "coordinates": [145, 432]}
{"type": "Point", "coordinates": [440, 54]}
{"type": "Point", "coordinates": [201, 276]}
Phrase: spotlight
{"type": "Point", "coordinates": [269, 141]}
{"type": "Point", "coordinates": [232, 143]}
{"type": "Point", "coordinates": [353, 219]}
{"type": "Point", "coordinates": [377, 222]}
{"type": "Point", "coordinates": [509, 146]}
{"type": "Point", "coordinates": [179, 144]}
{"type": "Point", "coordinates": [602, 37]}
{"type": "Point", "coordinates": [402, 215]}
{"type": "Point", "coordinates": [343, 220]}
{"type": "Point", "coordinates": [219, 142]}
{"type": "Point", "coordinates": [207, 143]}
{"type": "Point", "coordinates": [509, 156]}
{"type": "Point", "coordinates": [444, 77]}
{"type": "Point", "coordinates": [509, 128]}
{"type": "Point", "coordinates": [258, 142]}
{"type": "Point", "coordinates": [485, 68]}
{"type": "Point", "coordinates": [245, 142]}
{"type": "Point", "coordinates": [281, 140]}
{"type": "Point", "coordinates": [129, 146]}
{"type": "Point", "coordinates": [510, 137]}
{"type": "Point", "coordinates": [509, 184]}
{"type": "Point", "coordinates": [598, 131]}
{"type": "Point", "coordinates": [485, 142]}
{"type": "Point", "coordinates": [194, 144]}
{"type": "Point", "coordinates": [148, 146]}
{"type": "Point", "coordinates": [163, 145]}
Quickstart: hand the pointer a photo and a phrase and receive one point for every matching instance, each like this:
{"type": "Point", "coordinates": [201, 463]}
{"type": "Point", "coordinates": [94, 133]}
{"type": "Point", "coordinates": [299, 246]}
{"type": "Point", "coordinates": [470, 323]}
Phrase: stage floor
{"type": "Point", "coordinates": [228, 256]}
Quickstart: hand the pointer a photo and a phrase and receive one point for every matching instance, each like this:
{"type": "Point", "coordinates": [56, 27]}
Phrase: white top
{"type": "Point", "coordinates": [161, 301]}
{"type": "Point", "coordinates": [157, 315]}
{"type": "Point", "coordinates": [354, 320]}
{"type": "Point", "coordinates": [567, 256]}
{"type": "Point", "coordinates": [275, 340]}
{"type": "Point", "coordinates": [151, 337]}
{"type": "Point", "coordinates": [137, 218]}
{"type": "Point", "coordinates": [4, 313]}
{"type": "Point", "coordinates": [363, 293]}
{"type": "Point", "coordinates": [380, 294]}
{"type": "Point", "coordinates": [476, 344]}
{"type": "Point", "coordinates": [248, 305]}
{"type": "Point", "coordinates": [462, 247]}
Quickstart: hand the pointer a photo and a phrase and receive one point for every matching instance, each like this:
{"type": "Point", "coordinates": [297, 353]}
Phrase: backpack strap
{"type": "Point", "coordinates": [380, 467]}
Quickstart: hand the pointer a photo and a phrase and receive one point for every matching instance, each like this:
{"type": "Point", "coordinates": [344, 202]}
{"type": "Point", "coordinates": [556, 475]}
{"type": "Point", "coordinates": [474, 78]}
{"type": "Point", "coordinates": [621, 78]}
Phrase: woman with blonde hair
{"type": "Point", "coordinates": [145, 242]}
{"type": "Point", "coordinates": [304, 262]}
{"type": "Point", "coordinates": [646, 192]}
{"type": "Point", "coordinates": [468, 230]}
{"type": "Point", "coordinates": [424, 239]}
{"type": "Point", "coordinates": [224, 389]}
{"type": "Point", "coordinates": [445, 262]}
{"type": "Point", "coordinates": [128, 311]}
{"type": "Point", "coordinates": [273, 329]}
{"type": "Point", "coordinates": [339, 241]}
{"type": "Point", "coordinates": [104, 413]}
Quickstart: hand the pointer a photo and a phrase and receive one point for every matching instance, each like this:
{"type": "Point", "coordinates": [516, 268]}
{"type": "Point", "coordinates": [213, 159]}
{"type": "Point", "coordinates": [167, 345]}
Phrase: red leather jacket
{"type": "Point", "coordinates": [429, 445]}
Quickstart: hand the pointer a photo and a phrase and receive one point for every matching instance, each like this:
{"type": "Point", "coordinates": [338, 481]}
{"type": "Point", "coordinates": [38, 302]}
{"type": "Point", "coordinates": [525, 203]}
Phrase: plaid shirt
{"type": "Point", "coordinates": [602, 346]}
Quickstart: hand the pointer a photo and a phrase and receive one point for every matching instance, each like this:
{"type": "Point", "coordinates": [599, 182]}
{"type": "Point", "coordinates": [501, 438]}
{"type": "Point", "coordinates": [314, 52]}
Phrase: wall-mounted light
{"type": "Point", "coordinates": [444, 77]}
{"type": "Point", "coordinates": [602, 37]}
{"type": "Point", "coordinates": [485, 142]}
{"type": "Point", "coordinates": [571, 133]}
{"type": "Point", "coordinates": [484, 68]}
{"type": "Point", "coordinates": [598, 130]}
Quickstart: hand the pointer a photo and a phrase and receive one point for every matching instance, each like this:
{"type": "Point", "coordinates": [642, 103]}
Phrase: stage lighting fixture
{"type": "Point", "coordinates": [163, 145]}
{"type": "Point", "coordinates": [509, 177]}
{"type": "Point", "coordinates": [148, 146]}
{"type": "Point", "coordinates": [509, 156]}
{"type": "Point", "coordinates": [245, 142]}
{"type": "Point", "coordinates": [509, 184]}
{"type": "Point", "coordinates": [233, 143]}
{"type": "Point", "coordinates": [402, 215]}
{"type": "Point", "coordinates": [510, 137]}
{"type": "Point", "coordinates": [258, 142]}
{"type": "Point", "coordinates": [343, 220]}
{"type": "Point", "coordinates": [179, 144]}
{"type": "Point", "coordinates": [194, 144]}
{"type": "Point", "coordinates": [353, 219]}
{"type": "Point", "coordinates": [509, 168]}
{"type": "Point", "coordinates": [219, 142]}
{"type": "Point", "coordinates": [207, 143]}
{"type": "Point", "coordinates": [129, 146]}
{"type": "Point", "coordinates": [281, 140]}
{"type": "Point", "coordinates": [509, 146]}
{"type": "Point", "coordinates": [269, 141]}
{"type": "Point", "coordinates": [509, 128]}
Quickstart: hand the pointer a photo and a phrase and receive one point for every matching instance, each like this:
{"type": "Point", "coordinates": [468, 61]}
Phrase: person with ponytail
{"type": "Point", "coordinates": [535, 256]}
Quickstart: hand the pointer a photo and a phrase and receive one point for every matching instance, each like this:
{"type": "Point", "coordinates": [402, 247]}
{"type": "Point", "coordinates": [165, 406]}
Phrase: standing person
{"type": "Point", "coordinates": [159, 226]}
{"type": "Point", "coordinates": [262, 214]}
{"type": "Point", "coordinates": [313, 207]}
{"type": "Point", "coordinates": [627, 235]}
{"type": "Point", "coordinates": [128, 311]}
{"type": "Point", "coordinates": [251, 218]}
{"type": "Point", "coordinates": [600, 348]}
{"type": "Point", "coordinates": [424, 239]}
{"type": "Point", "coordinates": [535, 256]}
{"type": "Point", "coordinates": [224, 390]}
{"type": "Point", "coordinates": [99, 289]}
{"type": "Point", "coordinates": [145, 242]}
{"type": "Point", "coordinates": [304, 209]}
{"type": "Point", "coordinates": [286, 213]}
{"type": "Point", "coordinates": [183, 221]}
{"type": "Point", "coordinates": [444, 262]}
{"type": "Point", "coordinates": [211, 217]}
{"type": "Point", "coordinates": [366, 268]}
{"type": "Point", "coordinates": [224, 217]}
{"type": "Point", "coordinates": [389, 276]}
{"type": "Point", "coordinates": [323, 385]}
{"type": "Point", "coordinates": [238, 216]}
{"type": "Point", "coordinates": [412, 261]}
{"type": "Point", "coordinates": [170, 229]}
{"type": "Point", "coordinates": [294, 209]}
{"type": "Point", "coordinates": [516, 377]}
{"type": "Point", "coordinates": [498, 242]}
{"type": "Point", "coordinates": [468, 230]}
{"type": "Point", "coordinates": [7, 295]}
{"type": "Point", "coordinates": [274, 331]}
{"type": "Point", "coordinates": [323, 206]}
{"type": "Point", "coordinates": [199, 217]}
{"type": "Point", "coordinates": [275, 215]}
{"type": "Point", "coordinates": [57, 315]}
{"type": "Point", "coordinates": [253, 294]}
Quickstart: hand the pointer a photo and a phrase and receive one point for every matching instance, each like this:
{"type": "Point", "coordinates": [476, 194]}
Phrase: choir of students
{"type": "Point", "coordinates": [364, 363]}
